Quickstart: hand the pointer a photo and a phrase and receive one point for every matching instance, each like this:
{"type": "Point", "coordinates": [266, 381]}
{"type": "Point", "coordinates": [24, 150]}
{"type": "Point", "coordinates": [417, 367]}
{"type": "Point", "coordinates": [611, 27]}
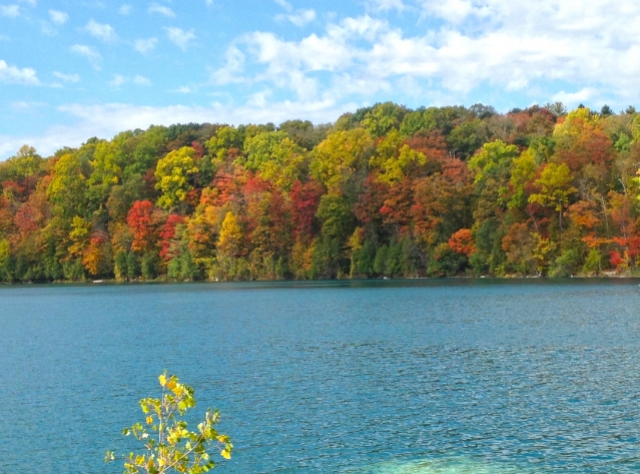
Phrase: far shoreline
{"type": "Point", "coordinates": [485, 278]}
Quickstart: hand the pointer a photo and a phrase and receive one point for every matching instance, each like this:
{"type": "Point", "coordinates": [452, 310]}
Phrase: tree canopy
{"type": "Point", "coordinates": [385, 191]}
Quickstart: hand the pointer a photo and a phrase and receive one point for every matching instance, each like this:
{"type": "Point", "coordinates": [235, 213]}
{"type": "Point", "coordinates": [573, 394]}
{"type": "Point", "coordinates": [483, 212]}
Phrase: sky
{"type": "Point", "coordinates": [74, 69]}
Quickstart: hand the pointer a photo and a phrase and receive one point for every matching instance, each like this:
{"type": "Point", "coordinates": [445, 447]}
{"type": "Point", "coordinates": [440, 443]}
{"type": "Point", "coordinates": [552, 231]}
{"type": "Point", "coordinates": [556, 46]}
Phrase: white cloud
{"type": "Point", "coordinates": [184, 90]}
{"type": "Point", "coordinates": [300, 18]}
{"type": "Point", "coordinates": [138, 80]}
{"type": "Point", "coordinates": [59, 18]}
{"type": "Point", "coordinates": [125, 9]}
{"type": "Point", "coordinates": [145, 46]}
{"type": "Point", "coordinates": [101, 31]}
{"type": "Point", "coordinates": [166, 11]}
{"type": "Point", "coordinates": [88, 52]}
{"type": "Point", "coordinates": [10, 11]}
{"type": "Point", "coordinates": [284, 4]}
{"type": "Point", "coordinates": [118, 80]}
{"type": "Point", "coordinates": [48, 29]}
{"type": "Point", "coordinates": [573, 98]}
{"type": "Point", "coordinates": [180, 37]}
{"type": "Point", "coordinates": [141, 80]}
{"type": "Point", "coordinates": [209, 2]}
{"type": "Point", "coordinates": [385, 5]}
{"type": "Point", "coordinates": [105, 121]}
{"type": "Point", "coordinates": [24, 106]}
{"type": "Point", "coordinates": [15, 75]}
{"type": "Point", "coordinates": [67, 77]}
{"type": "Point", "coordinates": [30, 2]}
{"type": "Point", "coordinates": [499, 44]}
{"type": "Point", "coordinates": [233, 69]}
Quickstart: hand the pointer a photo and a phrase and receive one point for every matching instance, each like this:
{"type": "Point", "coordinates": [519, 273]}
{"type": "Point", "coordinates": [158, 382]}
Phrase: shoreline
{"type": "Point", "coordinates": [161, 281]}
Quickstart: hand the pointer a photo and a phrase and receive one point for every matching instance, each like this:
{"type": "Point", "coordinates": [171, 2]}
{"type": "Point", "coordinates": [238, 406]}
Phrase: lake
{"type": "Point", "coordinates": [420, 377]}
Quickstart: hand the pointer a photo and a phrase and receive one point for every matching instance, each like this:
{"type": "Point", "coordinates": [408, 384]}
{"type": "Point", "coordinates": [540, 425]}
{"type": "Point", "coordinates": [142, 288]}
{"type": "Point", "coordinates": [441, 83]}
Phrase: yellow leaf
{"type": "Point", "coordinates": [163, 380]}
{"type": "Point", "coordinates": [225, 454]}
{"type": "Point", "coordinates": [149, 420]}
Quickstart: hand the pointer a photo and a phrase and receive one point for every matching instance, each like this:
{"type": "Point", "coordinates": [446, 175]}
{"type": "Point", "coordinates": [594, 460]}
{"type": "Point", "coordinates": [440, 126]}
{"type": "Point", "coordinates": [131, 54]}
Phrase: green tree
{"type": "Point", "coordinates": [6, 271]}
{"type": "Point", "coordinates": [383, 118]}
{"type": "Point", "coordinates": [168, 445]}
{"type": "Point", "coordinates": [494, 159]}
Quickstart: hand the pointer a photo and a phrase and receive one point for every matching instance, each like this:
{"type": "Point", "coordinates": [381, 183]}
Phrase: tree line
{"type": "Point", "coordinates": [386, 191]}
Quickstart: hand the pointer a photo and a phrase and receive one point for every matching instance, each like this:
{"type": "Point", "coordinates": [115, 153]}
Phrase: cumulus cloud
{"type": "Point", "coordinates": [88, 52]}
{"type": "Point", "coordinates": [500, 44]}
{"type": "Point", "coordinates": [145, 46]}
{"type": "Point", "coordinates": [180, 37]}
{"type": "Point", "coordinates": [15, 75]}
{"type": "Point", "coordinates": [125, 10]}
{"type": "Point", "coordinates": [101, 31]}
{"type": "Point", "coordinates": [141, 80]}
{"type": "Point", "coordinates": [385, 5]}
{"type": "Point", "coordinates": [300, 18]}
{"type": "Point", "coordinates": [583, 95]}
{"type": "Point", "coordinates": [25, 106]}
{"type": "Point", "coordinates": [10, 11]}
{"type": "Point", "coordinates": [119, 80]}
{"type": "Point", "coordinates": [67, 77]}
{"type": "Point", "coordinates": [107, 120]}
{"type": "Point", "coordinates": [233, 69]}
{"type": "Point", "coordinates": [161, 9]}
{"type": "Point", "coordinates": [284, 4]}
{"type": "Point", "coordinates": [57, 17]}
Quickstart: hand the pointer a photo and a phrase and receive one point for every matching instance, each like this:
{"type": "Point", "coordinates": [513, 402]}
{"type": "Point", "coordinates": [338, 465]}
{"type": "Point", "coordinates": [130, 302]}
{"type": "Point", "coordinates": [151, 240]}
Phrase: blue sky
{"type": "Point", "coordinates": [70, 70]}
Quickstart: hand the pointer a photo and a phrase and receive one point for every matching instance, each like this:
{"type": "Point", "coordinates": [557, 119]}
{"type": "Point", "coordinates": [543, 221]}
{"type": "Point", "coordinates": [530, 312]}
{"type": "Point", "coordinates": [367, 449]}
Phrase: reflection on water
{"type": "Point", "coordinates": [442, 466]}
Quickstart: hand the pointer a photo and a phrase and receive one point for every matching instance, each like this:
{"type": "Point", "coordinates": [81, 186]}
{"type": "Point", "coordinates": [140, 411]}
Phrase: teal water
{"type": "Point", "coordinates": [408, 377]}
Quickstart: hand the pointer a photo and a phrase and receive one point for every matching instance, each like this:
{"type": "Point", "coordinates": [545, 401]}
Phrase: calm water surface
{"type": "Point", "coordinates": [387, 377]}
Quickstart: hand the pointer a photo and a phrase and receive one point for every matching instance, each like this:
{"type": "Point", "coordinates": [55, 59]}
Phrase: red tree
{"type": "Point", "coordinates": [139, 221]}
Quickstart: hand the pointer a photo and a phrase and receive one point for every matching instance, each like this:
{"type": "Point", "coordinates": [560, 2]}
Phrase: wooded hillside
{"type": "Point", "coordinates": [385, 191]}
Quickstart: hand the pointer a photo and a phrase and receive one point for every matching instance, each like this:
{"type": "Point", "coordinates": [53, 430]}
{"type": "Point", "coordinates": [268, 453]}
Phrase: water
{"type": "Point", "coordinates": [421, 377]}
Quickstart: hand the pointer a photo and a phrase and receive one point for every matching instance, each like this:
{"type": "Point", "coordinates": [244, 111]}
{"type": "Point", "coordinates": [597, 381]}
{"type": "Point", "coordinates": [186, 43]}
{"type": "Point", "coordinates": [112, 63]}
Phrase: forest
{"type": "Point", "coordinates": [384, 192]}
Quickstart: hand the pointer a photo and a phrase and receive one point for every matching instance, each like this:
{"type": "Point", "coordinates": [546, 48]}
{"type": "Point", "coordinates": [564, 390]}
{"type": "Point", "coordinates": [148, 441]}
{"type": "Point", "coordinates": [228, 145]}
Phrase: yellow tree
{"type": "Point", "coordinates": [229, 248]}
{"type": "Point", "coordinates": [554, 188]}
{"type": "Point", "coordinates": [68, 186]}
{"type": "Point", "coordinates": [276, 157]}
{"type": "Point", "coordinates": [107, 171]}
{"type": "Point", "coordinates": [393, 157]}
{"type": "Point", "coordinates": [338, 156]}
{"type": "Point", "coordinates": [230, 235]}
{"type": "Point", "coordinates": [167, 444]}
{"type": "Point", "coordinates": [79, 235]}
{"type": "Point", "coordinates": [173, 173]}
{"type": "Point", "coordinates": [523, 171]}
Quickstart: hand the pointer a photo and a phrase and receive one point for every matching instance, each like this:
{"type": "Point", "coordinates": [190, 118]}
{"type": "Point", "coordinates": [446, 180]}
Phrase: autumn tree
{"type": "Point", "coordinates": [174, 173]}
{"type": "Point", "coordinates": [167, 445]}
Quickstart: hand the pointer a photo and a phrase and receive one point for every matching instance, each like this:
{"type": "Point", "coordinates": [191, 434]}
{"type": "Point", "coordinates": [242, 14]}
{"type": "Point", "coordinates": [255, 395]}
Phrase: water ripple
{"type": "Point", "coordinates": [386, 378]}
